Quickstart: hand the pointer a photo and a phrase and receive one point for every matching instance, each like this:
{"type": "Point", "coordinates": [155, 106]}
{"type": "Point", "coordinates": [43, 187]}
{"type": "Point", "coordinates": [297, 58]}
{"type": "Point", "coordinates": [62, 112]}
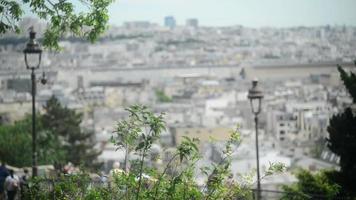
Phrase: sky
{"type": "Point", "coordinates": [251, 13]}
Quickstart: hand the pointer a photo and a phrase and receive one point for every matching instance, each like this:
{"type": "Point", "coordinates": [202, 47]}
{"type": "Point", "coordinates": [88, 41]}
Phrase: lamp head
{"type": "Point", "coordinates": [33, 49]}
{"type": "Point", "coordinates": [255, 92]}
{"type": "Point", "coordinates": [255, 95]}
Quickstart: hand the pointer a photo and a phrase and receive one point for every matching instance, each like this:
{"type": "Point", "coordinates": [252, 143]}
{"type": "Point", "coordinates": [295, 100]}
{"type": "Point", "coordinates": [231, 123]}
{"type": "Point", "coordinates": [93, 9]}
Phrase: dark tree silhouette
{"type": "Point", "coordinates": [77, 143]}
{"type": "Point", "coordinates": [342, 139]}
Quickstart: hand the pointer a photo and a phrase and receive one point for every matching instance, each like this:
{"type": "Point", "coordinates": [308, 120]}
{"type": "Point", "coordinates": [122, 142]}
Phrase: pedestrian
{"type": "Point", "coordinates": [104, 179]}
{"type": "Point", "coordinates": [3, 174]}
{"type": "Point", "coordinates": [12, 185]}
{"type": "Point", "coordinates": [24, 183]}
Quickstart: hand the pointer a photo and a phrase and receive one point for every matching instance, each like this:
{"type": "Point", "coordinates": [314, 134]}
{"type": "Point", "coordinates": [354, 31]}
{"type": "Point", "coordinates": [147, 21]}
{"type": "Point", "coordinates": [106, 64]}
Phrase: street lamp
{"type": "Point", "coordinates": [255, 96]}
{"type": "Point", "coordinates": [33, 53]}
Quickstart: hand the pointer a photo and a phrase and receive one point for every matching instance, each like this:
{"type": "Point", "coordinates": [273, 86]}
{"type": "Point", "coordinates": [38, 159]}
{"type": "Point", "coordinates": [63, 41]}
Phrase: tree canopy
{"type": "Point", "coordinates": [83, 18]}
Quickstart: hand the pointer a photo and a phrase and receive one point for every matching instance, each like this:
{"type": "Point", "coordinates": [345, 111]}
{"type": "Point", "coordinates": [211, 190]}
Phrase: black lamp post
{"type": "Point", "coordinates": [33, 53]}
{"type": "Point", "coordinates": [255, 95]}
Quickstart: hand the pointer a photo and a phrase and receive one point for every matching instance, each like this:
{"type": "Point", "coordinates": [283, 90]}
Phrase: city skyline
{"type": "Point", "coordinates": [275, 13]}
{"type": "Point", "coordinates": [199, 78]}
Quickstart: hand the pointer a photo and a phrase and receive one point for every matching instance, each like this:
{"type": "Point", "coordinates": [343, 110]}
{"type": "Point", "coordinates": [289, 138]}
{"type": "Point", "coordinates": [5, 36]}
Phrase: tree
{"type": "Point", "coordinates": [84, 18]}
{"type": "Point", "coordinates": [64, 123]}
{"type": "Point", "coordinates": [342, 139]}
{"type": "Point", "coordinates": [349, 81]}
{"type": "Point", "coordinates": [16, 144]}
{"type": "Point", "coordinates": [59, 136]}
{"type": "Point", "coordinates": [60, 139]}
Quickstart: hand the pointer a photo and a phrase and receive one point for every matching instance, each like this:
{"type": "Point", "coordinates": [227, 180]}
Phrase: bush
{"type": "Point", "coordinates": [311, 186]}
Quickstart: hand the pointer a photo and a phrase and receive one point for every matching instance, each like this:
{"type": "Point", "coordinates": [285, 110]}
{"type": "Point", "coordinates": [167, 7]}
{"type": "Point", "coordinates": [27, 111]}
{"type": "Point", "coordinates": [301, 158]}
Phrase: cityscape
{"type": "Point", "coordinates": [199, 77]}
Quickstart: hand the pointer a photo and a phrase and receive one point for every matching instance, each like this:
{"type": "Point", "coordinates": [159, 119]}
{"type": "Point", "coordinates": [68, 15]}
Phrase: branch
{"type": "Point", "coordinates": [163, 173]}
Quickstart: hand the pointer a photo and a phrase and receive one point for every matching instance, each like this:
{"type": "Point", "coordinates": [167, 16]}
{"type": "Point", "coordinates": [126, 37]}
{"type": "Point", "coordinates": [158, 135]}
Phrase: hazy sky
{"type": "Point", "coordinates": [254, 13]}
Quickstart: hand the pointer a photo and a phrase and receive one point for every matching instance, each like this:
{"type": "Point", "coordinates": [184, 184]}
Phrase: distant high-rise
{"type": "Point", "coordinates": [192, 23]}
{"type": "Point", "coordinates": [170, 22]}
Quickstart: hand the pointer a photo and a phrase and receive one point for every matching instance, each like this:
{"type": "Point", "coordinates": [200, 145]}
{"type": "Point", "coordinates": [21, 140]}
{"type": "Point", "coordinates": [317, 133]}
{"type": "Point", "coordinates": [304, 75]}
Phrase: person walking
{"type": "Point", "coordinates": [12, 185]}
{"type": "Point", "coordinates": [3, 174]}
{"type": "Point", "coordinates": [24, 183]}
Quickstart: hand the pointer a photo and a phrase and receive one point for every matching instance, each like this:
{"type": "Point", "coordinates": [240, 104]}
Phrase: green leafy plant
{"type": "Point", "coordinates": [176, 180]}
{"type": "Point", "coordinates": [141, 130]}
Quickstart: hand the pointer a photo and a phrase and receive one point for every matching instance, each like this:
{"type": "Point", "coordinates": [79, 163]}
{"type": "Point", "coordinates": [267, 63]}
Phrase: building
{"type": "Point", "coordinates": [299, 122]}
{"type": "Point", "coordinates": [205, 135]}
{"type": "Point", "coordinates": [170, 22]}
{"type": "Point", "coordinates": [137, 25]}
{"type": "Point", "coordinates": [287, 127]}
{"type": "Point", "coordinates": [192, 22]}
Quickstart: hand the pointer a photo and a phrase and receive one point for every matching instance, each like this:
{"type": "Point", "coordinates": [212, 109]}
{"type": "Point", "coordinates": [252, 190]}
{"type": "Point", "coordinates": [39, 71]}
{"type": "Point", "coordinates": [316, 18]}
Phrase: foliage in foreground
{"type": "Point", "coordinates": [86, 18]}
{"type": "Point", "coordinates": [175, 180]}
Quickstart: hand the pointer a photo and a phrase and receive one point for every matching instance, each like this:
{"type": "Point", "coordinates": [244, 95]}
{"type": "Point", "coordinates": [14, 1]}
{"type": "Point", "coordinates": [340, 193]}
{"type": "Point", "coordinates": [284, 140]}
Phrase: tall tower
{"type": "Point", "coordinates": [170, 22]}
